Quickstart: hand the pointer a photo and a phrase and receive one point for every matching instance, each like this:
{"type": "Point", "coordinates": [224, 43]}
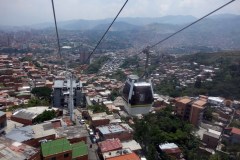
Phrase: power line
{"type": "Point", "coordinates": [189, 25]}
{"type": "Point", "coordinates": [56, 31]}
{"type": "Point", "coordinates": [105, 33]}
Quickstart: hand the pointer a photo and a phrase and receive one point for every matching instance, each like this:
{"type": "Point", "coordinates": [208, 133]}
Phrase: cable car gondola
{"type": "Point", "coordinates": [138, 92]}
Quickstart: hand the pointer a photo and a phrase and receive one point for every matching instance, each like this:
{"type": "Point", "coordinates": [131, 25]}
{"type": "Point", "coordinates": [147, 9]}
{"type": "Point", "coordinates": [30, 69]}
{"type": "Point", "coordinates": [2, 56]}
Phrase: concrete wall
{"type": "Point", "coordinates": [36, 143]}
{"type": "Point", "coordinates": [123, 136]}
{"type": "Point", "coordinates": [76, 140]}
{"type": "Point", "coordinates": [100, 122]}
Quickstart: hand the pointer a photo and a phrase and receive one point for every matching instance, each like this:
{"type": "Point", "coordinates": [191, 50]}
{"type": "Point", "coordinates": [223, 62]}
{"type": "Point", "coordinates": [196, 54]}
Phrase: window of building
{"type": "Point", "coordinates": [53, 158]}
{"type": "Point", "coordinates": [66, 155]}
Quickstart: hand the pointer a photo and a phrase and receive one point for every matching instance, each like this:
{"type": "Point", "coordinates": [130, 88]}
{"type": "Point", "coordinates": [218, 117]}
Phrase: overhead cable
{"type": "Point", "coordinates": [190, 25]}
{"type": "Point", "coordinates": [105, 33]}
{"type": "Point", "coordinates": [59, 51]}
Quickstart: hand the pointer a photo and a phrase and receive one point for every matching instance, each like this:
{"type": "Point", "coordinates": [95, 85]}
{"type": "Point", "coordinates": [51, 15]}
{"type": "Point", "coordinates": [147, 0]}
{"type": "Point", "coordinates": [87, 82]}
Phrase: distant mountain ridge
{"type": "Point", "coordinates": [127, 23]}
{"type": "Point", "coordinates": [117, 26]}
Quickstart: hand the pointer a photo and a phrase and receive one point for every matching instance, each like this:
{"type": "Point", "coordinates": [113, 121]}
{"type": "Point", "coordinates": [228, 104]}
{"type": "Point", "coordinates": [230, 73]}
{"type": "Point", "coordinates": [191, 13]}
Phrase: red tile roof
{"type": "Point", "coordinates": [110, 145]}
{"type": "Point", "coordinates": [237, 112]}
{"type": "Point", "coordinates": [131, 156]}
{"type": "Point", "coordinates": [234, 130]}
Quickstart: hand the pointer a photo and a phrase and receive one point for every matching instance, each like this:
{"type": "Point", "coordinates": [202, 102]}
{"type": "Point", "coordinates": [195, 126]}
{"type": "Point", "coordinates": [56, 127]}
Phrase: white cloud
{"type": "Point", "coordinates": [24, 12]}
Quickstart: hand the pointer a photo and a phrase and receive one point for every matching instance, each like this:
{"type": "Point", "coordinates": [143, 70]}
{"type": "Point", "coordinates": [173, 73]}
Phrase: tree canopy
{"type": "Point", "coordinates": [46, 115]}
{"type": "Point", "coordinates": [163, 126]}
{"type": "Point", "coordinates": [44, 92]}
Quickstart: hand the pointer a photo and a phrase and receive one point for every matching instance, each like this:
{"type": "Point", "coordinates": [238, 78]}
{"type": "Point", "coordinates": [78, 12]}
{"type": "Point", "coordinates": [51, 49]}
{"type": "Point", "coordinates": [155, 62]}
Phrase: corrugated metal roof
{"type": "Point", "coordinates": [110, 145]}
{"type": "Point", "coordinates": [24, 115]}
{"type": "Point", "coordinates": [2, 113]}
{"type": "Point", "coordinates": [21, 134]}
{"type": "Point", "coordinates": [168, 146]}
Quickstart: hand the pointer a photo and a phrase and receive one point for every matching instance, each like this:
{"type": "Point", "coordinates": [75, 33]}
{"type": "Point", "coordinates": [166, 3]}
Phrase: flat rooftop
{"type": "Point", "coordinates": [133, 145]}
{"type": "Point", "coordinates": [212, 133]}
{"type": "Point", "coordinates": [185, 100]}
{"type": "Point", "coordinates": [71, 132]}
{"type": "Point", "coordinates": [200, 103]}
{"type": "Point", "coordinates": [43, 129]}
{"type": "Point", "coordinates": [114, 128]}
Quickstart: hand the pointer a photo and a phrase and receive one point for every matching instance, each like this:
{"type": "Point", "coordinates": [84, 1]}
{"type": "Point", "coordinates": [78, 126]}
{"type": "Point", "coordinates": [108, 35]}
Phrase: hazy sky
{"type": "Point", "coordinates": [25, 12]}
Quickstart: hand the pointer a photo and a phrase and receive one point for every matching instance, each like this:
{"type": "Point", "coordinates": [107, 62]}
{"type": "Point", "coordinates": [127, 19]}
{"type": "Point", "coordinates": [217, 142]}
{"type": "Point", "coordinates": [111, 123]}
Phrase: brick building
{"type": "Point", "coordinates": [62, 149]}
{"type": "Point", "coordinates": [211, 138]}
{"type": "Point", "coordinates": [122, 131]}
{"type": "Point", "coordinates": [190, 109]}
{"type": "Point", "coordinates": [99, 119]}
{"type": "Point", "coordinates": [232, 135]}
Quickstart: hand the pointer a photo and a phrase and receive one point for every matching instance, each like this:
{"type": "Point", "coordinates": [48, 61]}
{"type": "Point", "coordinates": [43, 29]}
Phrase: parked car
{"type": "Point", "coordinates": [87, 126]}
{"type": "Point", "coordinates": [93, 138]}
{"type": "Point", "coordinates": [91, 132]}
{"type": "Point", "coordinates": [82, 121]}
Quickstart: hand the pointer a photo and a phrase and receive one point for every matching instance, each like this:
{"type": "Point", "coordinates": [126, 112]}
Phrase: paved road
{"type": "Point", "coordinates": [92, 152]}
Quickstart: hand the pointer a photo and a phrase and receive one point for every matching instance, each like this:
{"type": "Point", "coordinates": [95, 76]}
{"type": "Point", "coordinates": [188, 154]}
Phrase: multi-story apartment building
{"type": "Point", "coordinates": [190, 109]}
{"type": "Point", "coordinates": [61, 93]}
{"type": "Point", "coordinates": [3, 121]}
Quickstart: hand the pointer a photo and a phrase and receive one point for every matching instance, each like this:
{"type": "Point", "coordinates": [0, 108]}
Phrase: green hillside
{"type": "Point", "coordinates": [210, 58]}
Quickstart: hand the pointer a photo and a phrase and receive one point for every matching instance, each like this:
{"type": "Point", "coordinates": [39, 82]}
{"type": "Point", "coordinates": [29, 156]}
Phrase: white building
{"type": "Point", "coordinates": [215, 101]}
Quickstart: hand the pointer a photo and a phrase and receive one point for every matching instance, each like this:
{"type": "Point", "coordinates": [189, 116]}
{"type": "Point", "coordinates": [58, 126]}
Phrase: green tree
{"type": "Point", "coordinates": [45, 116]}
{"type": "Point", "coordinates": [99, 108]}
{"type": "Point", "coordinates": [198, 82]}
{"type": "Point", "coordinates": [43, 92]}
{"type": "Point", "coordinates": [115, 94]}
{"type": "Point", "coordinates": [151, 152]}
{"type": "Point", "coordinates": [208, 114]}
